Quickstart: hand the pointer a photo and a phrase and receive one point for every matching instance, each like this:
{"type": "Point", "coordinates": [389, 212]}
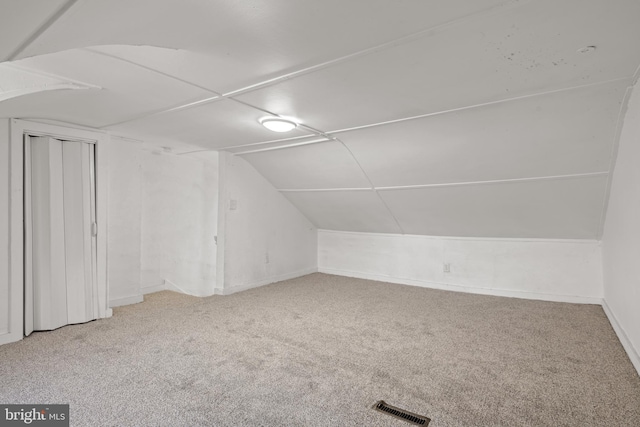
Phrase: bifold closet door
{"type": "Point", "coordinates": [60, 249]}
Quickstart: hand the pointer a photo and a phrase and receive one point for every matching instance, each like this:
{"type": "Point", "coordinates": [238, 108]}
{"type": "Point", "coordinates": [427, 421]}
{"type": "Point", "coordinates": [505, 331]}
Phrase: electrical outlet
{"type": "Point", "coordinates": [233, 204]}
{"type": "Point", "coordinates": [266, 258]}
{"type": "Point", "coordinates": [446, 267]}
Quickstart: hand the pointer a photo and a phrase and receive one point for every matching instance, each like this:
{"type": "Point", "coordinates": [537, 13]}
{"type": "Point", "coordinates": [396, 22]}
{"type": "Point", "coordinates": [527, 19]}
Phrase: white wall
{"type": "Point", "coordinates": [621, 238]}
{"type": "Point", "coordinates": [538, 269]}
{"type": "Point", "coordinates": [266, 239]}
{"type": "Point", "coordinates": [179, 222]}
{"type": "Point", "coordinates": [4, 226]}
{"type": "Point", "coordinates": [124, 222]}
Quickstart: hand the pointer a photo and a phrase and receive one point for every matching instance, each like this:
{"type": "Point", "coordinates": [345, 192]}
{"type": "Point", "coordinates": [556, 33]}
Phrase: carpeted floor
{"type": "Point", "coordinates": [320, 350]}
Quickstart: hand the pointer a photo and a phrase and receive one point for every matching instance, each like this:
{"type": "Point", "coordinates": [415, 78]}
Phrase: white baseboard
{"type": "Point", "coordinates": [125, 301]}
{"type": "Point", "coordinates": [8, 337]}
{"type": "Point", "coordinates": [246, 286]}
{"type": "Point", "coordinates": [622, 336]}
{"type": "Point", "coordinates": [152, 289]}
{"type": "Point", "coordinates": [463, 288]}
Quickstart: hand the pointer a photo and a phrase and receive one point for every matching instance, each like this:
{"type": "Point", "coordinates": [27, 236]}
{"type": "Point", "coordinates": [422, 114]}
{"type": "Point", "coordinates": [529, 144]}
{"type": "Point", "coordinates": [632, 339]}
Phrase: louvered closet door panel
{"type": "Point", "coordinates": [77, 230]}
{"type": "Point", "coordinates": [48, 235]}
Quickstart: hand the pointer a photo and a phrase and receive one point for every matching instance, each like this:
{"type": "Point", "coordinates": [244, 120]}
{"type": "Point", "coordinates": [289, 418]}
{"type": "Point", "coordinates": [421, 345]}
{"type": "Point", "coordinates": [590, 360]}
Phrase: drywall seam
{"type": "Point", "coordinates": [279, 147]}
{"type": "Point", "coordinates": [319, 190]}
{"type": "Point", "coordinates": [498, 239]}
{"type": "Point", "coordinates": [384, 203]}
{"type": "Point", "coordinates": [153, 70]}
{"type": "Point", "coordinates": [636, 76]}
{"type": "Point", "coordinates": [41, 30]}
{"type": "Point", "coordinates": [462, 288]}
{"type": "Point", "coordinates": [223, 196]}
{"type": "Point", "coordinates": [613, 158]}
{"type": "Point", "coordinates": [170, 286]}
{"type": "Point", "coordinates": [484, 104]}
{"type": "Point", "coordinates": [118, 302]}
{"type": "Point", "coordinates": [271, 141]}
{"type": "Point", "coordinates": [447, 184]}
{"type": "Point", "coordinates": [273, 279]}
{"type": "Point", "coordinates": [74, 82]}
{"type": "Point", "coordinates": [633, 354]}
{"type": "Point", "coordinates": [160, 111]}
{"type": "Point", "coordinates": [495, 181]}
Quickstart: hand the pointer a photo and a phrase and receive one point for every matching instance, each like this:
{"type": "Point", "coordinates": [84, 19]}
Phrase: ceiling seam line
{"type": "Point", "coordinates": [390, 212]}
{"type": "Point", "coordinates": [41, 30]}
{"type": "Point", "coordinates": [153, 70]}
{"type": "Point", "coordinates": [299, 144]}
{"type": "Point", "coordinates": [273, 141]}
{"type": "Point", "coordinates": [26, 69]}
{"type": "Point", "coordinates": [636, 76]}
{"type": "Point", "coordinates": [241, 153]}
{"type": "Point", "coordinates": [484, 104]}
{"type": "Point", "coordinates": [496, 181]}
{"type": "Point", "coordinates": [613, 159]}
{"type": "Point", "coordinates": [373, 187]}
{"type": "Point", "coordinates": [452, 184]}
{"type": "Point", "coordinates": [321, 190]}
{"type": "Point", "coordinates": [148, 114]}
{"type": "Point", "coordinates": [504, 6]}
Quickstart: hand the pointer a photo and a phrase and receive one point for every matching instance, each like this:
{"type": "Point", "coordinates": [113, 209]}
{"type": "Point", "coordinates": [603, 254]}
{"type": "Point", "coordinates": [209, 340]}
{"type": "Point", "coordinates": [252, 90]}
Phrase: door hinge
{"type": "Point", "coordinates": [94, 229]}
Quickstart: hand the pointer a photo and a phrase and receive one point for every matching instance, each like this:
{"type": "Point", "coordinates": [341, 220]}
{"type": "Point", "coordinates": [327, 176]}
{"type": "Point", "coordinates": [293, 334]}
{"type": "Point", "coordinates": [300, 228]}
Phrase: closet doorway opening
{"type": "Point", "coordinates": [60, 284]}
{"type": "Point", "coordinates": [58, 231]}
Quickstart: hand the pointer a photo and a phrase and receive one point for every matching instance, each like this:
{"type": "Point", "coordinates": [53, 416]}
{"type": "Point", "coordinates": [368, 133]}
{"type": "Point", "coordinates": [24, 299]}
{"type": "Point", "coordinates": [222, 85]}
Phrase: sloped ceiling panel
{"type": "Point", "coordinates": [23, 21]}
{"type": "Point", "coordinates": [345, 210]}
{"type": "Point", "coordinates": [521, 51]}
{"type": "Point", "coordinates": [18, 81]}
{"type": "Point", "coordinates": [127, 91]}
{"type": "Point", "coordinates": [419, 93]}
{"type": "Point", "coordinates": [249, 41]}
{"type": "Point", "coordinates": [563, 208]}
{"type": "Point", "coordinates": [558, 134]}
{"type": "Point", "coordinates": [314, 166]}
{"type": "Point", "coordinates": [214, 125]}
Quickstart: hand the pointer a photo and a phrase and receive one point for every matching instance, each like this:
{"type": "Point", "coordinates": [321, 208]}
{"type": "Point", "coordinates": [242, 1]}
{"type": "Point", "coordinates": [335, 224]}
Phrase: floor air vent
{"type": "Point", "coordinates": [416, 419]}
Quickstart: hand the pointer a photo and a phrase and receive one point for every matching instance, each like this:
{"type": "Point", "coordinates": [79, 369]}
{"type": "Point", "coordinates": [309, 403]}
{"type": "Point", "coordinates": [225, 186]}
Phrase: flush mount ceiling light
{"type": "Point", "coordinates": [277, 124]}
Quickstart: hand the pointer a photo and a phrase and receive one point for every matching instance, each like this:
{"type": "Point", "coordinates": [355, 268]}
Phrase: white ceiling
{"type": "Point", "coordinates": [447, 117]}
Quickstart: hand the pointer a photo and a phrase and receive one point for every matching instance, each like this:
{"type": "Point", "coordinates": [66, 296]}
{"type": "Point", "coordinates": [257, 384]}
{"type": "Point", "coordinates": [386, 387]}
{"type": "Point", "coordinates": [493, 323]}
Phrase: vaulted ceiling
{"type": "Point", "coordinates": [486, 118]}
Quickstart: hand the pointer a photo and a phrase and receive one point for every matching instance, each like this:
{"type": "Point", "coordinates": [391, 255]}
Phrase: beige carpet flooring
{"type": "Point", "coordinates": [320, 350]}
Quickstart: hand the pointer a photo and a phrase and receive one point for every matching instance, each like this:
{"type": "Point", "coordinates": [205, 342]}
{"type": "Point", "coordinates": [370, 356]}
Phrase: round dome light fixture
{"type": "Point", "coordinates": [277, 124]}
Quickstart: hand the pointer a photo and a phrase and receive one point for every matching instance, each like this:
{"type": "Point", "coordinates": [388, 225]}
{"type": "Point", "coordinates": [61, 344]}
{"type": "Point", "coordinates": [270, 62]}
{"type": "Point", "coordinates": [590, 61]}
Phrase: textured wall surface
{"type": "Point", "coordinates": [621, 239]}
{"type": "Point", "coordinates": [266, 238]}
{"type": "Point", "coordinates": [539, 269]}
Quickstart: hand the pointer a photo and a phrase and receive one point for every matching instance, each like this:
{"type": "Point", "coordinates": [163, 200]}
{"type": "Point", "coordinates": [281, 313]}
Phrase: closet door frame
{"type": "Point", "coordinates": [19, 128]}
